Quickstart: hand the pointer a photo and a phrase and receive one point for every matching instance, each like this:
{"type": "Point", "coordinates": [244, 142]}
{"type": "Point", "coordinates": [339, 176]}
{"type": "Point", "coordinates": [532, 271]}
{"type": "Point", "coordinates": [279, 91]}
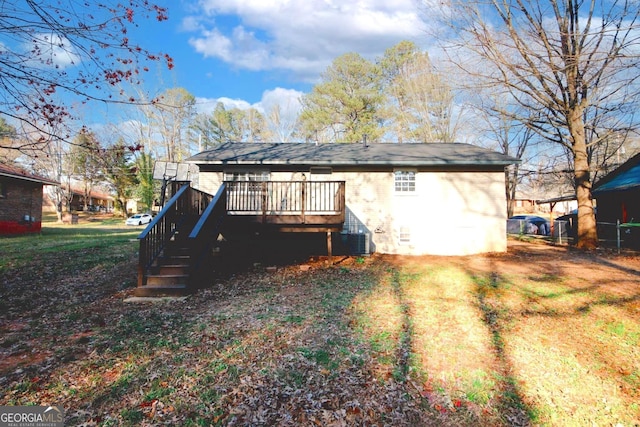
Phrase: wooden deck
{"type": "Point", "coordinates": [176, 247]}
{"type": "Point", "coordinates": [289, 205]}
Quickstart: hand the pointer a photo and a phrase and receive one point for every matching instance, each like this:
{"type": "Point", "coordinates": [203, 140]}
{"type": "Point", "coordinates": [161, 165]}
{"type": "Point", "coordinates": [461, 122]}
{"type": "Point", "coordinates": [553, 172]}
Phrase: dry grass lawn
{"type": "Point", "coordinates": [540, 336]}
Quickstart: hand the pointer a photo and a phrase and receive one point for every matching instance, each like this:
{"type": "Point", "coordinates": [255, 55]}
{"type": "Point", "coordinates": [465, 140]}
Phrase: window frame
{"type": "Point", "coordinates": [405, 181]}
{"type": "Point", "coordinates": [404, 235]}
{"type": "Point", "coordinates": [247, 176]}
{"type": "Point", "coordinates": [254, 177]}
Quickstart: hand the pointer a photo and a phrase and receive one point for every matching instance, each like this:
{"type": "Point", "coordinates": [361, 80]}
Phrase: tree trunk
{"type": "Point", "coordinates": [511, 181]}
{"type": "Point", "coordinates": [587, 231]}
{"type": "Point", "coordinates": [123, 207]}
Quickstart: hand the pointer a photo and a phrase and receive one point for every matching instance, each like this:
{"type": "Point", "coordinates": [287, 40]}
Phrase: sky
{"type": "Point", "coordinates": [259, 52]}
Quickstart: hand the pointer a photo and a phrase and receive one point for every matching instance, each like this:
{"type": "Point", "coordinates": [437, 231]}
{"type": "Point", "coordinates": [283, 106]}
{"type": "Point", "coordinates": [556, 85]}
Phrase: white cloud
{"type": "Point", "coordinates": [207, 105]}
{"type": "Point", "coordinates": [53, 50]}
{"type": "Point", "coordinates": [287, 99]}
{"type": "Point", "coordinates": [300, 37]}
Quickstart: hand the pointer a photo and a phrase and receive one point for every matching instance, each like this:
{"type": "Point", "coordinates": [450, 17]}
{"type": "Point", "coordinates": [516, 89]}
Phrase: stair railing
{"type": "Point", "coordinates": [204, 236]}
{"type": "Point", "coordinates": [185, 202]}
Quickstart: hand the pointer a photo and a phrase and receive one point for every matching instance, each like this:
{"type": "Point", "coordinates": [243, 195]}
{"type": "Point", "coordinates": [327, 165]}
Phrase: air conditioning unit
{"type": "Point", "coordinates": [359, 243]}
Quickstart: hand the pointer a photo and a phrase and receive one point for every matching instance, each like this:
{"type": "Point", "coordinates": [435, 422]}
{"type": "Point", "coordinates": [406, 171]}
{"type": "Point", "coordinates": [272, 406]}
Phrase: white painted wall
{"type": "Point", "coordinates": [451, 213]}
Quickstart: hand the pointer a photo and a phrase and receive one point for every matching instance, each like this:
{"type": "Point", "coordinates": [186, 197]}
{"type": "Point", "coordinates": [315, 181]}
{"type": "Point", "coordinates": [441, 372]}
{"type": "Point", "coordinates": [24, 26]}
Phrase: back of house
{"type": "Point", "coordinates": [410, 199]}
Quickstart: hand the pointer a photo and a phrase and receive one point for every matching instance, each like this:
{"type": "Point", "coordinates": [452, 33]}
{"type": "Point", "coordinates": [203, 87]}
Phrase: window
{"type": "Point", "coordinates": [246, 176]}
{"type": "Point", "coordinates": [256, 176]}
{"type": "Point", "coordinates": [405, 235]}
{"type": "Point", "coordinates": [405, 181]}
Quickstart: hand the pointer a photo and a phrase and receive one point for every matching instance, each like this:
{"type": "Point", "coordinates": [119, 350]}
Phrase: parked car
{"type": "Point", "coordinates": [528, 224]}
{"type": "Point", "coordinates": [139, 219]}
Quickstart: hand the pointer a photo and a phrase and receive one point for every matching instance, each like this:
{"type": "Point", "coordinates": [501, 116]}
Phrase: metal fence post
{"type": "Point", "coordinates": [559, 232]}
{"type": "Point", "coordinates": [618, 234]}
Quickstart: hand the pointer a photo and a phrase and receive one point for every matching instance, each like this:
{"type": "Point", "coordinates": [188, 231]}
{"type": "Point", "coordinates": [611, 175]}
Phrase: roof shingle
{"type": "Point", "coordinates": [374, 154]}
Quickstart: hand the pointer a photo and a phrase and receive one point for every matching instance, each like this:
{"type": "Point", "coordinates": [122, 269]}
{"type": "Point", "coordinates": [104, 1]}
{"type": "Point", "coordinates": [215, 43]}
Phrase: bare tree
{"type": "Point", "coordinates": [55, 50]}
{"type": "Point", "coordinates": [573, 61]}
{"type": "Point", "coordinates": [506, 135]}
{"type": "Point", "coordinates": [84, 159]}
{"type": "Point", "coordinates": [169, 119]}
{"type": "Point", "coordinates": [282, 122]}
{"type": "Point", "coordinates": [49, 157]}
{"type": "Point", "coordinates": [419, 100]}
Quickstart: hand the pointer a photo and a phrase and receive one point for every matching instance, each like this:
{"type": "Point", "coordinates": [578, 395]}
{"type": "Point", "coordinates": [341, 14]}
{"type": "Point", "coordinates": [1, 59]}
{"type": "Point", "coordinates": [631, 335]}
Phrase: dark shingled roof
{"type": "Point", "coordinates": [389, 154]}
{"type": "Point", "coordinates": [12, 171]}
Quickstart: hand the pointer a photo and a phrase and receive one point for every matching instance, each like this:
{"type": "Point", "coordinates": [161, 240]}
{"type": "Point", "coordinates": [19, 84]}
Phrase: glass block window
{"type": "Point", "coordinates": [405, 235]}
{"type": "Point", "coordinates": [405, 181]}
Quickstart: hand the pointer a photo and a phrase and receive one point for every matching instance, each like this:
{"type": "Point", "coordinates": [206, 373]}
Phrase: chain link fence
{"type": "Point", "coordinates": [615, 235]}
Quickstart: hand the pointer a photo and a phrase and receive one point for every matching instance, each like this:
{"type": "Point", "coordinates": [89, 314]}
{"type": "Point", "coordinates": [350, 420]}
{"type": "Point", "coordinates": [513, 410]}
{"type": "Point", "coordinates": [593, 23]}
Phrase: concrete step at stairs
{"type": "Point", "coordinates": [161, 291]}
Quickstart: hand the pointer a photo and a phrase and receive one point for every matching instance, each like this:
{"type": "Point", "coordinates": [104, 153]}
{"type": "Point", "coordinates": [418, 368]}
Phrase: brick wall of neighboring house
{"type": "Point", "coordinates": [20, 206]}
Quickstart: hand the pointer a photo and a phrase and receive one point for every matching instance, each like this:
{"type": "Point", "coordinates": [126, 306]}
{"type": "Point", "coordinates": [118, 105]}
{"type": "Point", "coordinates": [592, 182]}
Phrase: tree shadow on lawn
{"type": "Point", "coordinates": [279, 351]}
{"type": "Point", "coordinates": [553, 296]}
{"type": "Point", "coordinates": [511, 403]}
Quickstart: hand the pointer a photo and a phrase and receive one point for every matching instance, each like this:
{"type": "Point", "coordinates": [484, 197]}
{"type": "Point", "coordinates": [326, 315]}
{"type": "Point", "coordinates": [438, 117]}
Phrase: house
{"type": "Point", "coordinates": [20, 200]}
{"type": "Point", "coordinates": [414, 199]}
{"type": "Point", "coordinates": [618, 198]}
{"type": "Point", "coordinates": [98, 201]}
{"type": "Point", "coordinates": [562, 204]}
{"type": "Point", "coordinates": [411, 199]}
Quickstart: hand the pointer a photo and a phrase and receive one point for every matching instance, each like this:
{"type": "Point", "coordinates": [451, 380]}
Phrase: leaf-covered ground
{"type": "Point", "coordinates": [539, 336]}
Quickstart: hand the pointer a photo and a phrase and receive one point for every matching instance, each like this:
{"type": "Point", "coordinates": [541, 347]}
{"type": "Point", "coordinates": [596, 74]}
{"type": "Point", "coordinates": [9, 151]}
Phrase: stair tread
{"type": "Point", "coordinates": [167, 275]}
{"type": "Point", "coordinates": [165, 286]}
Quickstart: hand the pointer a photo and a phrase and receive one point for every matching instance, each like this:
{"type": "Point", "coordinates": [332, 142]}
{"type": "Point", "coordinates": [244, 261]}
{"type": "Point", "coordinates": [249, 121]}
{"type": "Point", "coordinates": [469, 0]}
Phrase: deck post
{"type": "Point", "coordinates": [329, 254]}
{"type": "Point", "coordinates": [303, 197]}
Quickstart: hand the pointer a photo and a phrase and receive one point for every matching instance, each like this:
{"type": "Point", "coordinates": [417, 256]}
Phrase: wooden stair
{"type": "Point", "coordinates": [169, 275]}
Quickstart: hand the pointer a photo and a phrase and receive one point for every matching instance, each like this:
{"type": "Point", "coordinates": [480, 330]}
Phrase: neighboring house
{"type": "Point", "coordinates": [555, 199]}
{"type": "Point", "coordinates": [414, 199]}
{"type": "Point", "coordinates": [20, 200]}
{"type": "Point", "coordinates": [524, 203]}
{"type": "Point", "coordinates": [134, 206]}
{"type": "Point", "coordinates": [559, 205]}
{"type": "Point", "coordinates": [618, 193]}
{"type": "Point", "coordinates": [98, 201]}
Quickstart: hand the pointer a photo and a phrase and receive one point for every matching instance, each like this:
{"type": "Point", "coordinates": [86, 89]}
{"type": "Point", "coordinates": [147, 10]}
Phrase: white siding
{"type": "Point", "coordinates": [451, 213]}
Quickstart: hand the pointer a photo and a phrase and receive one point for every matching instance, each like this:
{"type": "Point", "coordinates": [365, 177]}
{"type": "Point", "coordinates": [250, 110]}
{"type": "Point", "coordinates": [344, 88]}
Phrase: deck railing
{"type": "Point", "coordinates": [186, 203]}
{"type": "Point", "coordinates": [205, 235]}
{"type": "Point", "coordinates": [285, 197]}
